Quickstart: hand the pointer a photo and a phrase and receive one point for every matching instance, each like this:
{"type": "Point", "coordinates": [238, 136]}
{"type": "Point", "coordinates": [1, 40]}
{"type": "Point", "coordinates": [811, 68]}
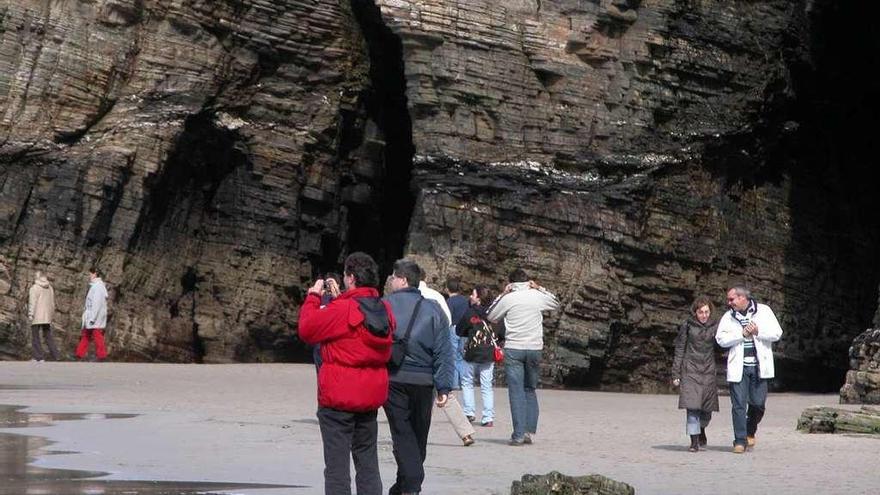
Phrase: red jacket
{"type": "Point", "coordinates": [354, 372]}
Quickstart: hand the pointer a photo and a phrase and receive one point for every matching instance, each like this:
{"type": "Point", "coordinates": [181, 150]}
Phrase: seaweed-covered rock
{"type": "Point", "coordinates": [555, 483]}
{"type": "Point", "coordinates": [834, 420]}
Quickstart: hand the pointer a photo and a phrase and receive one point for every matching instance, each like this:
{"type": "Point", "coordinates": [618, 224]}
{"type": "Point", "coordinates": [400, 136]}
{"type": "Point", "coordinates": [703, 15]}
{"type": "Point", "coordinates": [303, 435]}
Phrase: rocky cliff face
{"type": "Point", "coordinates": [213, 157]}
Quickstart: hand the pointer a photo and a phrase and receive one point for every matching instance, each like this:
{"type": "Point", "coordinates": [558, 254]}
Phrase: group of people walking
{"type": "Point", "coordinates": [41, 312]}
{"type": "Point", "coordinates": [406, 352]}
{"type": "Point", "coordinates": [747, 331]}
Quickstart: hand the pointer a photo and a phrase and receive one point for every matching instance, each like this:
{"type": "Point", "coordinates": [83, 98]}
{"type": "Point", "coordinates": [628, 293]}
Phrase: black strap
{"type": "Point", "coordinates": [412, 320]}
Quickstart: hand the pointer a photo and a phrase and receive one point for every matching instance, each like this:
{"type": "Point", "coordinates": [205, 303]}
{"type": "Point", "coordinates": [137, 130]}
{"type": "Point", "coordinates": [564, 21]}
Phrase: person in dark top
{"type": "Point", "coordinates": [479, 339]}
{"type": "Point", "coordinates": [426, 368]}
{"type": "Point", "coordinates": [331, 290]}
{"type": "Point", "coordinates": [458, 304]}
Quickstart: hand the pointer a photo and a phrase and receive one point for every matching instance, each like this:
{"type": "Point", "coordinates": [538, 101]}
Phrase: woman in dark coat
{"type": "Point", "coordinates": [693, 370]}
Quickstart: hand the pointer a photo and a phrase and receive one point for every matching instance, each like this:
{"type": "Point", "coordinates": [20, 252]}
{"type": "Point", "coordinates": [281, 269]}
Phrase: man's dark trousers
{"type": "Point", "coordinates": [349, 435]}
{"type": "Point", "coordinates": [46, 331]}
{"type": "Point", "coordinates": [408, 409]}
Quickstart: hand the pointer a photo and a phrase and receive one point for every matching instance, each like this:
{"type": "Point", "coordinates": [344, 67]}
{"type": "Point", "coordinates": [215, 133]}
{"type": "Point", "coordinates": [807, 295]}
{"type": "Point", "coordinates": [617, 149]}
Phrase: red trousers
{"type": "Point", "coordinates": [87, 335]}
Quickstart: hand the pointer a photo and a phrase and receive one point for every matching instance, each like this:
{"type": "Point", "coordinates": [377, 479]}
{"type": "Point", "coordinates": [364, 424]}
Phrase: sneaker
{"type": "Point", "coordinates": [739, 449]}
{"type": "Point", "coordinates": [487, 424]}
{"type": "Point", "coordinates": [517, 442]}
{"type": "Point", "coordinates": [467, 441]}
{"type": "Point", "coordinates": [471, 418]}
{"type": "Point", "coordinates": [750, 441]}
{"type": "Point", "coordinates": [527, 438]}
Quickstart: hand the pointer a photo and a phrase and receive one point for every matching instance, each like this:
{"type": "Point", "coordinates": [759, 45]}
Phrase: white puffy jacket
{"type": "Point", "coordinates": [729, 335]}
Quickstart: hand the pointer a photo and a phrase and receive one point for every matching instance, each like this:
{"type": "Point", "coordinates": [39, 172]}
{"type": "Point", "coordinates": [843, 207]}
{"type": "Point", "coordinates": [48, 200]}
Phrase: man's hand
{"type": "Point", "coordinates": [318, 288]}
{"type": "Point", "coordinates": [442, 399]}
{"type": "Point", "coordinates": [752, 328]}
{"type": "Point", "coordinates": [333, 287]}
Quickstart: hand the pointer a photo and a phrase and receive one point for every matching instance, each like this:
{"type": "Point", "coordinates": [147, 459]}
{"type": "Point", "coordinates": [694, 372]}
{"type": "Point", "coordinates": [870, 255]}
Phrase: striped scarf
{"type": "Point", "coordinates": [750, 356]}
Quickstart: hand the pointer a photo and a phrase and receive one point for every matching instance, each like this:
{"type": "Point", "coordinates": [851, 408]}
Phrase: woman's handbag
{"type": "Point", "coordinates": [499, 352]}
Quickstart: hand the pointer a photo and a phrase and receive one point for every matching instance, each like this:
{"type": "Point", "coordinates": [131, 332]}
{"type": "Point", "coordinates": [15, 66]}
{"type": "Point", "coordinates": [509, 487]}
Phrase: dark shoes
{"type": "Point", "coordinates": [471, 418]}
{"type": "Point", "coordinates": [525, 440]}
{"type": "Point", "coordinates": [695, 443]}
{"type": "Point", "coordinates": [703, 440]}
{"type": "Point", "coordinates": [467, 441]}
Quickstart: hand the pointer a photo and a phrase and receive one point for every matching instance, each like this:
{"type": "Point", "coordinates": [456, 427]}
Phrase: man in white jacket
{"type": "Point", "coordinates": [747, 330]}
{"type": "Point", "coordinates": [94, 318]}
{"type": "Point", "coordinates": [520, 306]}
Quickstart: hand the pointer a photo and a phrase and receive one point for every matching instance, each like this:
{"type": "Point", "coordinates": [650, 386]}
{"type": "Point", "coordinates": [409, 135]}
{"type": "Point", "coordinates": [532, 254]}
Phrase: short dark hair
{"type": "Point", "coordinates": [453, 284]}
{"type": "Point", "coordinates": [701, 301]}
{"type": "Point", "coordinates": [518, 275]}
{"type": "Point", "coordinates": [410, 270]}
{"type": "Point", "coordinates": [96, 271]}
{"type": "Point", "coordinates": [364, 270]}
{"type": "Point", "coordinates": [335, 276]}
{"type": "Point", "coordinates": [485, 294]}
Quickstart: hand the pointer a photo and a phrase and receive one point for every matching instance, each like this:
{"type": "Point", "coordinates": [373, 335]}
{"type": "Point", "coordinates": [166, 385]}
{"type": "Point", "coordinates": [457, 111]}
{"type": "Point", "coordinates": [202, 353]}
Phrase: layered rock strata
{"type": "Point", "coordinates": [863, 379]}
{"type": "Point", "coordinates": [213, 157]}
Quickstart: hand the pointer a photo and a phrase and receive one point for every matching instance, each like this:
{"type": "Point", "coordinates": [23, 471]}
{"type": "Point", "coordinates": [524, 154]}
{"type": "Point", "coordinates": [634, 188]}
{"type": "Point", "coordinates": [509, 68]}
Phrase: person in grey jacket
{"type": "Point", "coordinates": [41, 309]}
{"type": "Point", "coordinates": [427, 365]}
{"type": "Point", "coordinates": [520, 306]}
{"type": "Point", "coordinates": [94, 318]}
{"type": "Point", "coordinates": [693, 369]}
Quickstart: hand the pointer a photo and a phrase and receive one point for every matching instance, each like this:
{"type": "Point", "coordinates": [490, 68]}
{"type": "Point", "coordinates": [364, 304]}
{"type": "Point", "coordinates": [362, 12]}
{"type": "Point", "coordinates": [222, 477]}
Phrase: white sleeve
{"type": "Point", "coordinates": [729, 333]}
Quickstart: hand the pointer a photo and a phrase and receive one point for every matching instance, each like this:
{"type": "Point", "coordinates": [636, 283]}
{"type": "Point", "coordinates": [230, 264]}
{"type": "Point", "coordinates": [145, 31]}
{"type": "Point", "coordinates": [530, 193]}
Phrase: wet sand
{"type": "Point", "coordinates": [256, 424]}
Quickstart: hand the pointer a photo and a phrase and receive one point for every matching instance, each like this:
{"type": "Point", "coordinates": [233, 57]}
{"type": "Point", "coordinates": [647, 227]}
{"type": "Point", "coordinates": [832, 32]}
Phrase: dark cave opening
{"type": "Point", "coordinates": [379, 224]}
{"type": "Point", "coordinates": [834, 255]}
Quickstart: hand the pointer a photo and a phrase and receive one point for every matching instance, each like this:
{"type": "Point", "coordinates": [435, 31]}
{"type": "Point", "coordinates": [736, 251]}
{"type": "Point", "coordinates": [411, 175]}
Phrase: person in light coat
{"type": "Point", "coordinates": [41, 310]}
{"type": "Point", "coordinates": [94, 318]}
{"type": "Point", "coordinates": [747, 331]}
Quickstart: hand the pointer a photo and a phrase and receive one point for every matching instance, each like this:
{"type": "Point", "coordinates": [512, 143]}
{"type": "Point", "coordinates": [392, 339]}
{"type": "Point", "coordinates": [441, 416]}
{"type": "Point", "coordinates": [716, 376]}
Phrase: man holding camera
{"type": "Point", "coordinates": [355, 332]}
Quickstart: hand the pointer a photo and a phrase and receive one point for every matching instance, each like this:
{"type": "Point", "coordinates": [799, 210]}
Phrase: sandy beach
{"type": "Point", "coordinates": [256, 424]}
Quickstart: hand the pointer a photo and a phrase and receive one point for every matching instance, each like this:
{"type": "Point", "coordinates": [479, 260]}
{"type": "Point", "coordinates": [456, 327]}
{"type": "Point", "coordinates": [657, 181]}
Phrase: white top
{"type": "Point", "coordinates": [95, 311]}
{"type": "Point", "coordinates": [429, 293]}
{"type": "Point", "coordinates": [521, 309]}
{"type": "Point", "coordinates": [730, 335]}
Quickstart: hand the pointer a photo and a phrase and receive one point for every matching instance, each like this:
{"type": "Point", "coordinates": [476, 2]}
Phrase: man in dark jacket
{"type": "Point", "coordinates": [355, 332]}
{"type": "Point", "coordinates": [427, 365]}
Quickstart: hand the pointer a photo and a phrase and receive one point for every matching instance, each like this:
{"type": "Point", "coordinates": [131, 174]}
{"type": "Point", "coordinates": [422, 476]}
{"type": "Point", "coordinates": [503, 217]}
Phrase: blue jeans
{"type": "Point", "coordinates": [485, 371]}
{"type": "Point", "coordinates": [747, 398]}
{"type": "Point", "coordinates": [521, 372]}
{"type": "Point", "coordinates": [457, 346]}
{"type": "Point", "coordinates": [697, 419]}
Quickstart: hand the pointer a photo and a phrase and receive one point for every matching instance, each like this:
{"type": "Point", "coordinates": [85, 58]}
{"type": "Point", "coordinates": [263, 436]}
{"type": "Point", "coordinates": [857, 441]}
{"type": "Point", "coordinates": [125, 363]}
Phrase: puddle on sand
{"type": "Point", "coordinates": [19, 477]}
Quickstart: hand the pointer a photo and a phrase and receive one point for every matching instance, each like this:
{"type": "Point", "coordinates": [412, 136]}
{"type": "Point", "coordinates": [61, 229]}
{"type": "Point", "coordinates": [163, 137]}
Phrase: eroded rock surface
{"type": "Point", "coordinates": [863, 379]}
{"type": "Point", "coordinates": [212, 157]}
{"type": "Point", "coordinates": [554, 482]}
{"type": "Point", "coordinates": [834, 420]}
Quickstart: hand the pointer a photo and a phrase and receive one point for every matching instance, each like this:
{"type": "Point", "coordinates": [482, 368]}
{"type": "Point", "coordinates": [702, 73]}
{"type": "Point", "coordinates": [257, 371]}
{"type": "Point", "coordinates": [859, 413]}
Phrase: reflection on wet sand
{"type": "Point", "coordinates": [19, 477]}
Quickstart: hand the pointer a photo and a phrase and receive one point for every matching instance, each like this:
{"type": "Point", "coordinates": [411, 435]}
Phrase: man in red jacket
{"type": "Point", "coordinates": [355, 332]}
